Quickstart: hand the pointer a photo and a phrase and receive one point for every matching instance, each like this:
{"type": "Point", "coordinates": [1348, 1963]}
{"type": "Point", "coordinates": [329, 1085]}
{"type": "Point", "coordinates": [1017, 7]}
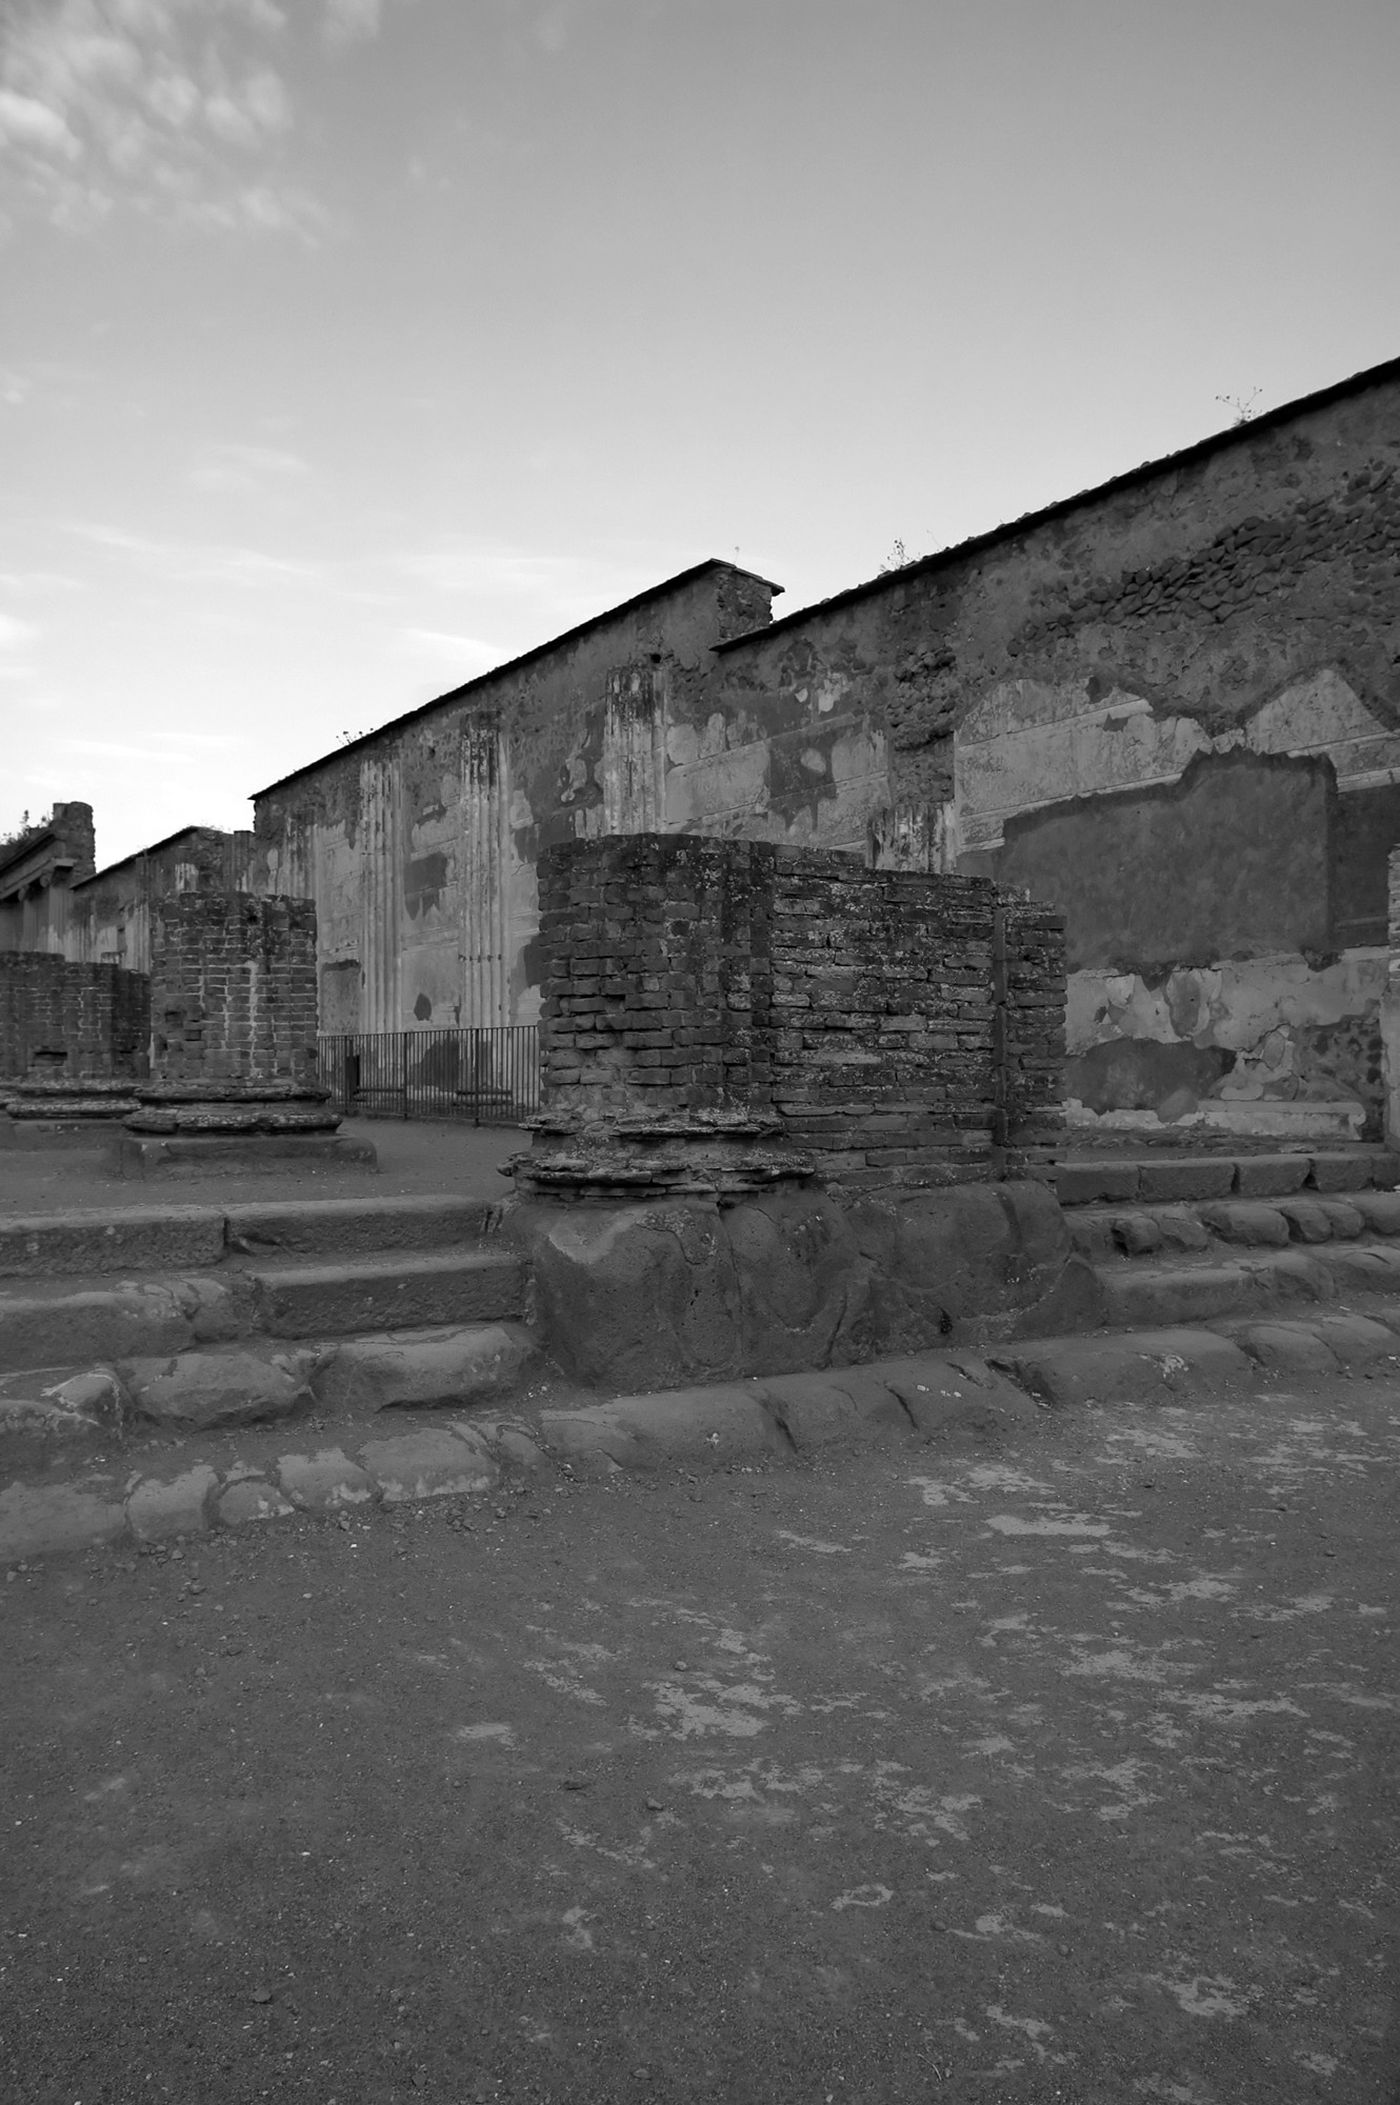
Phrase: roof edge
{"type": "Point", "coordinates": [1199, 449]}
{"type": "Point", "coordinates": [154, 848]}
{"type": "Point", "coordinates": [536, 650]}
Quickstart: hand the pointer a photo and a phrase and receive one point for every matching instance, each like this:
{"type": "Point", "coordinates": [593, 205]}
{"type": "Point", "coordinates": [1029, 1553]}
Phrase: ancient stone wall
{"type": "Point", "coordinates": [419, 842]}
{"type": "Point", "coordinates": [89, 1021]}
{"type": "Point", "coordinates": [898, 1026]}
{"type": "Point", "coordinates": [1094, 703]}
{"type": "Point", "coordinates": [233, 988]}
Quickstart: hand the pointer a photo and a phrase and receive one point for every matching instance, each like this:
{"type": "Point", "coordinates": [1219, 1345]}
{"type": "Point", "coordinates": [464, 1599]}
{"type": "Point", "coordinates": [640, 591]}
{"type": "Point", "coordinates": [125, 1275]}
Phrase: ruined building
{"type": "Point", "coordinates": [1169, 706]}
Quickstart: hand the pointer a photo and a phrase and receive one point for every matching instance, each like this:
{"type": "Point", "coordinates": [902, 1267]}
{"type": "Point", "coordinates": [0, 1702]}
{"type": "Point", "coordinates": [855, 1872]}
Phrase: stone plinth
{"type": "Point", "coordinates": [724, 1155]}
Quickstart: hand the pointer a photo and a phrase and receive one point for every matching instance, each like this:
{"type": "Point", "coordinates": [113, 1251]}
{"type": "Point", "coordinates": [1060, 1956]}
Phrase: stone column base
{"type": "Point", "coordinates": [718, 1155]}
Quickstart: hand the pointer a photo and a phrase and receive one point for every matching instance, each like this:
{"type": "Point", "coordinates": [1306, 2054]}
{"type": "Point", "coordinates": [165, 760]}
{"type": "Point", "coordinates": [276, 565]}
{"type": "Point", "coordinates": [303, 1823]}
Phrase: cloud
{"type": "Point", "coordinates": [14, 633]}
{"type": "Point", "coordinates": [24, 121]}
{"type": "Point", "coordinates": [352, 21]}
{"type": "Point", "coordinates": [468, 654]}
{"type": "Point", "coordinates": [244, 470]}
{"type": "Point", "coordinates": [188, 563]}
{"type": "Point", "coordinates": [173, 108]}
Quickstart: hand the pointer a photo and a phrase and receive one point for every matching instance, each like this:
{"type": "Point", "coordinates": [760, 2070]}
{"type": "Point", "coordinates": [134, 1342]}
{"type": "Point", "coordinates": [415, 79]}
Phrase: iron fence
{"type": "Point", "coordinates": [491, 1077]}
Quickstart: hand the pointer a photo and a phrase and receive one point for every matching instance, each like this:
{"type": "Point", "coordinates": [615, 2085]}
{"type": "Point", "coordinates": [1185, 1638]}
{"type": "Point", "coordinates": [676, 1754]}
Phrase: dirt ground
{"type": "Point", "coordinates": [1064, 1771]}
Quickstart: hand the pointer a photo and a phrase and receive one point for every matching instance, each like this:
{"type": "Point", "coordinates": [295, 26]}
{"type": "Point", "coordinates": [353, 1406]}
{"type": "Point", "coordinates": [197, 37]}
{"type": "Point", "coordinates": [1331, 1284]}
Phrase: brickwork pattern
{"type": "Point", "coordinates": [859, 1009]}
{"type": "Point", "coordinates": [89, 1022]}
{"type": "Point", "coordinates": [1030, 987]}
{"type": "Point", "coordinates": [233, 988]}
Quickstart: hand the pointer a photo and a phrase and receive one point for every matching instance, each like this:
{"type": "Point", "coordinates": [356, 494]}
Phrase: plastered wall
{"type": "Point", "coordinates": [1090, 705]}
{"type": "Point", "coordinates": [420, 844]}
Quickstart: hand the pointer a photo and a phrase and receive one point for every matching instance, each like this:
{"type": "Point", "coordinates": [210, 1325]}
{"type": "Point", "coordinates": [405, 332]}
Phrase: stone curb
{"type": "Point", "coordinates": [772, 1418]}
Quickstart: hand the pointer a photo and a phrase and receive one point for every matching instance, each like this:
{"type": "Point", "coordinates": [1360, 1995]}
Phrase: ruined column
{"type": "Point", "coordinates": [73, 1040]}
{"type": "Point", "coordinates": [233, 1040]}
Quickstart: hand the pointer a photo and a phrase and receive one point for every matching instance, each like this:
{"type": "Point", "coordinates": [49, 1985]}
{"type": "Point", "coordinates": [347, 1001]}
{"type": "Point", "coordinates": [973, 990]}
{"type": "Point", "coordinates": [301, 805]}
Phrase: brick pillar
{"type": "Point", "coordinates": [719, 1015]}
{"type": "Point", "coordinates": [233, 1018]}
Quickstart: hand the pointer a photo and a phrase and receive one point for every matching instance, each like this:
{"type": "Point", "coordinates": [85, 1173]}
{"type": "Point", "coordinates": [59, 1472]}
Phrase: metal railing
{"type": "Point", "coordinates": [491, 1077]}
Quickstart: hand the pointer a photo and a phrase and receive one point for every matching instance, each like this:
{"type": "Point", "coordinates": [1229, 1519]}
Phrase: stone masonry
{"type": "Point", "coordinates": [74, 1021]}
{"type": "Point", "coordinates": [880, 1027]}
{"type": "Point", "coordinates": [233, 988]}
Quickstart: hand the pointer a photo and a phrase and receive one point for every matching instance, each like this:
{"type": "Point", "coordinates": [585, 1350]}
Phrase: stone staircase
{"type": "Point", "coordinates": [200, 1316]}
{"type": "Point", "coordinates": [1178, 1239]}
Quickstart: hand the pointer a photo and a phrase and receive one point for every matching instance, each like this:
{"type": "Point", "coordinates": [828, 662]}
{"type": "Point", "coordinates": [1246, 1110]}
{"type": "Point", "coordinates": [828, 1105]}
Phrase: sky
{"type": "Point", "coordinates": [350, 347]}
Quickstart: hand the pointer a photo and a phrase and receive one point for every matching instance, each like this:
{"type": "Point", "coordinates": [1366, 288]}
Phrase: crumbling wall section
{"type": "Point", "coordinates": [900, 1027]}
{"type": "Point", "coordinates": [233, 988]}
{"type": "Point", "coordinates": [77, 1020]}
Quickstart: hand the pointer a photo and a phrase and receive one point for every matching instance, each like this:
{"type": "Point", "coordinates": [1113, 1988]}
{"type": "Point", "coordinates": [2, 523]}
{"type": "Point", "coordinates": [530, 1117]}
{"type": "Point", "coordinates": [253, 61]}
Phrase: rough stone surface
{"type": "Point", "coordinates": [1136, 1234]}
{"type": "Point", "coordinates": [1380, 1210]}
{"type": "Point", "coordinates": [713, 1425]}
{"type": "Point", "coordinates": [157, 1510]}
{"type": "Point", "coordinates": [1151, 1366]}
{"type": "Point", "coordinates": [1151, 1296]}
{"type": "Point", "coordinates": [1357, 1341]}
{"type": "Point", "coordinates": [117, 1322]}
{"type": "Point", "coordinates": [480, 1364]}
{"type": "Point", "coordinates": [847, 1404]}
{"type": "Point", "coordinates": [1307, 1220]}
{"type": "Point", "coordinates": [1198, 1177]}
{"type": "Point", "coordinates": [1243, 1222]}
{"type": "Point", "coordinates": [432, 1464]}
{"type": "Point", "coordinates": [1339, 1173]}
{"type": "Point", "coordinates": [46, 1520]}
{"type": "Point", "coordinates": [138, 1239]}
{"type": "Point", "coordinates": [325, 1481]}
{"type": "Point", "coordinates": [1080, 1183]}
{"type": "Point", "coordinates": [251, 1499]}
{"type": "Point", "coordinates": [1270, 1176]}
{"type": "Point", "coordinates": [785, 1282]}
{"type": "Point", "coordinates": [1289, 1349]}
{"type": "Point", "coordinates": [427, 1288]}
{"type": "Point", "coordinates": [1181, 1229]}
{"type": "Point", "coordinates": [98, 1395]}
{"type": "Point", "coordinates": [204, 1389]}
{"type": "Point", "coordinates": [1346, 1222]}
{"type": "Point", "coordinates": [941, 1393]}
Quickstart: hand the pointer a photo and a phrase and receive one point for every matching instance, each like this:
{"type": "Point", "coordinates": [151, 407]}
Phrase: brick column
{"type": "Point", "coordinates": [233, 1018]}
{"type": "Point", "coordinates": [719, 1015]}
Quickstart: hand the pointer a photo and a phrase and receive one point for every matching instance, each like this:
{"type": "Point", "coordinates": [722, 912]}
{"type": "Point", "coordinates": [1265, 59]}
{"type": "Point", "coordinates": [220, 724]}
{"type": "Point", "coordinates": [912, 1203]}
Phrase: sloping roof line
{"type": "Point", "coordinates": [1237, 434]}
{"type": "Point", "coordinates": [180, 833]}
{"type": "Point", "coordinates": [538, 650]}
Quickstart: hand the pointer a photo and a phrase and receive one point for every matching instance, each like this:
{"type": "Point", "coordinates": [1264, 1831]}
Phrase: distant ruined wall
{"type": "Point", "coordinates": [92, 1021]}
{"type": "Point", "coordinates": [420, 844]}
{"type": "Point", "coordinates": [109, 916]}
{"type": "Point", "coordinates": [1096, 706]}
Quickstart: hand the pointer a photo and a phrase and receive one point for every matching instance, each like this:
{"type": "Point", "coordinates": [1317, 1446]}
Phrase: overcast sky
{"type": "Point", "coordinates": [350, 346]}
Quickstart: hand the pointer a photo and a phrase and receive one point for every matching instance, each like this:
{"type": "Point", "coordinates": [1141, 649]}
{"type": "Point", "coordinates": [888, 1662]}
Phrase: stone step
{"type": "Point", "coordinates": [1151, 1295]}
{"type": "Point", "coordinates": [44, 1323]}
{"type": "Point", "coordinates": [412, 1291]}
{"type": "Point", "coordinates": [1101, 1232]}
{"type": "Point", "coordinates": [1166, 1179]}
{"type": "Point", "coordinates": [162, 1238]}
{"type": "Point", "coordinates": [47, 1411]}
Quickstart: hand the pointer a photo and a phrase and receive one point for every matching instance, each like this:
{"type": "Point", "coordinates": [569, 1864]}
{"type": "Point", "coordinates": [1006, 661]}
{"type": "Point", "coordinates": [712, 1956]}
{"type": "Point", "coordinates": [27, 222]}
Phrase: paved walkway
{"type": "Point", "coordinates": [414, 1155]}
{"type": "Point", "coordinates": [1053, 1771]}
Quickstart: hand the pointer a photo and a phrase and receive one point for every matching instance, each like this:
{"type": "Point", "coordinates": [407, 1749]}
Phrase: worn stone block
{"type": "Point", "coordinates": [156, 1510]}
{"type": "Point", "coordinates": [1244, 1221]}
{"type": "Point", "coordinates": [1339, 1172]}
{"type": "Point", "coordinates": [1194, 1177]}
{"type": "Point", "coordinates": [431, 1464]}
{"type": "Point", "coordinates": [1270, 1176]}
{"type": "Point", "coordinates": [325, 1481]}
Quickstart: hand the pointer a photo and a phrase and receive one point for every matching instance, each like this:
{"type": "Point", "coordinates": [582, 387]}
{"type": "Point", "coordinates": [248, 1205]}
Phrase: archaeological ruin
{"type": "Point", "coordinates": [1165, 707]}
